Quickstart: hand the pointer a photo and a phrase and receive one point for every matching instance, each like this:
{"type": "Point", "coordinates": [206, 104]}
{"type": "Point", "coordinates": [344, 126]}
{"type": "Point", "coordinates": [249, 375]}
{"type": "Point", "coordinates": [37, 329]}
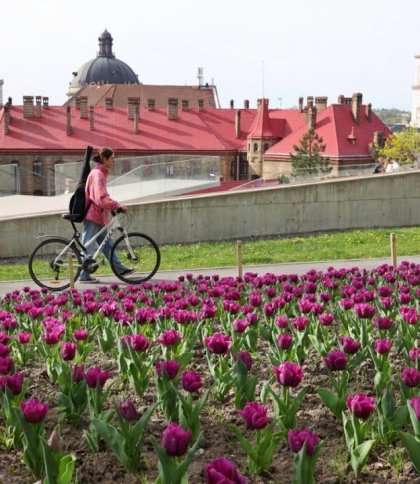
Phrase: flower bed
{"type": "Point", "coordinates": [265, 378]}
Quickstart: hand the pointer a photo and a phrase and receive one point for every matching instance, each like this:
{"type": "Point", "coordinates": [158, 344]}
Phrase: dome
{"type": "Point", "coordinates": [105, 68]}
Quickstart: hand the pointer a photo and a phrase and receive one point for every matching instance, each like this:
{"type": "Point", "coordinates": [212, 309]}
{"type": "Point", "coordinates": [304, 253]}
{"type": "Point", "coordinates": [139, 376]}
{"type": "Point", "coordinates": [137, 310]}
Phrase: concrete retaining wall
{"type": "Point", "coordinates": [373, 201]}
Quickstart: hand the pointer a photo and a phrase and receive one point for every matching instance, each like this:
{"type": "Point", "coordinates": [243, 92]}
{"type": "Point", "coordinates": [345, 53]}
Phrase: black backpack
{"type": "Point", "coordinates": [77, 205]}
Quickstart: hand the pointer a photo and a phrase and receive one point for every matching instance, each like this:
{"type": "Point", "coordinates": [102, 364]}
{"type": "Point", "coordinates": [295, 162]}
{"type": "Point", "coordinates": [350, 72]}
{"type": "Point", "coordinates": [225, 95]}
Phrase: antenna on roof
{"type": "Point", "coordinates": [200, 76]}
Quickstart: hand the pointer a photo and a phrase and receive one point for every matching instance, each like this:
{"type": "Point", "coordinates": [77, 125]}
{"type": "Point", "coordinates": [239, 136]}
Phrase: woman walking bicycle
{"type": "Point", "coordinates": [99, 204]}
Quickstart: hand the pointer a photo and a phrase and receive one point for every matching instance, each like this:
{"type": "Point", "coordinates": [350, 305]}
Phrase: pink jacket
{"type": "Point", "coordinates": [97, 196]}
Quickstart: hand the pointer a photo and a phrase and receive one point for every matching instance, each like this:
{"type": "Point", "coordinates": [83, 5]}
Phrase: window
{"type": "Point", "coordinates": [255, 147]}
{"type": "Point", "coordinates": [169, 170]}
{"type": "Point", "coordinates": [266, 146]}
{"type": "Point", "coordinates": [37, 167]}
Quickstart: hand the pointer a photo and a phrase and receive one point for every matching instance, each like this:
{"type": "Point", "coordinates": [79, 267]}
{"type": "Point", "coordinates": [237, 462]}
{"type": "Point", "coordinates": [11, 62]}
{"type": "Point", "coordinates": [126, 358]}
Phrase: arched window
{"type": "Point", "coordinates": [255, 147]}
{"type": "Point", "coordinates": [266, 146]}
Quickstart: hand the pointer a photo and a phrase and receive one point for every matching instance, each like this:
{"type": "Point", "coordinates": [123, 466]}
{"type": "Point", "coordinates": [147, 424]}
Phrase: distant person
{"type": "Point", "coordinates": [380, 166]}
{"type": "Point", "coordinates": [97, 215]}
{"type": "Point", "coordinates": [391, 165]}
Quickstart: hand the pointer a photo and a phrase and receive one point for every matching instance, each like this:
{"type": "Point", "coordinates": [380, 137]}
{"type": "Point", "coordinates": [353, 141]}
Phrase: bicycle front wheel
{"type": "Point", "coordinates": [53, 262]}
{"type": "Point", "coordinates": [138, 252]}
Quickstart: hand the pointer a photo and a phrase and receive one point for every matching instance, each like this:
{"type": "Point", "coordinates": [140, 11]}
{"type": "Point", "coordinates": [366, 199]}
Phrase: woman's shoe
{"type": "Point", "coordinates": [127, 271]}
{"type": "Point", "coordinates": [91, 280]}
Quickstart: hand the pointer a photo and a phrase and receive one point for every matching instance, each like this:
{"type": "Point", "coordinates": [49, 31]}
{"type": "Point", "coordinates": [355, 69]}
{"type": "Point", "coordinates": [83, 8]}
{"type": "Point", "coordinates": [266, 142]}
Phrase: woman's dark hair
{"type": "Point", "coordinates": [102, 155]}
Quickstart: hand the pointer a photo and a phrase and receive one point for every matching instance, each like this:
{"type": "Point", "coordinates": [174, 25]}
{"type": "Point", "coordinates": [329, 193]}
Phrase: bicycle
{"type": "Point", "coordinates": [56, 261]}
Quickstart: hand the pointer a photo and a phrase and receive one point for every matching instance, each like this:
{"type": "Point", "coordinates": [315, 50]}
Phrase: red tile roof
{"type": "Point", "coordinates": [334, 124]}
{"type": "Point", "coordinates": [261, 127]}
{"type": "Point", "coordinates": [209, 130]}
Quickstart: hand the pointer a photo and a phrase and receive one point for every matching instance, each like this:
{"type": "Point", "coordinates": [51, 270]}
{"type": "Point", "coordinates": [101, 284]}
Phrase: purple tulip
{"type": "Point", "coordinates": [382, 346]}
{"type": "Point", "coordinates": [6, 364]}
{"type": "Point", "coordinates": [13, 383]}
{"type": "Point", "coordinates": [410, 376]}
{"type": "Point", "coordinates": [128, 411]}
{"type": "Point", "coordinates": [175, 440]}
{"type": "Point", "coordinates": [24, 337]}
{"type": "Point", "coordinates": [255, 299]}
{"type": "Point", "coordinates": [68, 350]}
{"type": "Point", "coordinates": [300, 322]}
{"type": "Point", "coordinates": [336, 360]}
{"type": "Point", "coordinates": [415, 403]}
{"type": "Point", "coordinates": [96, 377]}
{"type": "Point", "coordinates": [350, 346]}
{"type": "Point", "coordinates": [191, 381]}
{"type": "Point", "coordinates": [326, 319]}
{"type": "Point", "coordinates": [245, 357]}
{"type": "Point", "coordinates": [361, 405]}
{"type": "Point", "coordinates": [171, 337]}
{"type": "Point", "coordinates": [4, 350]}
{"type": "Point", "coordinates": [284, 340]}
{"type": "Point", "coordinates": [414, 354]}
{"type": "Point", "coordinates": [288, 374]}
{"type": "Point", "coordinates": [223, 471]}
{"type": "Point", "coordinates": [4, 338]}
{"type": "Point", "coordinates": [409, 314]}
{"type": "Point", "coordinates": [167, 368]}
{"type": "Point", "coordinates": [255, 415]}
{"type": "Point", "coordinates": [298, 437]}
{"type": "Point", "coordinates": [281, 321]}
{"type": "Point", "coordinates": [78, 373]}
{"type": "Point", "coordinates": [218, 343]}
{"type": "Point", "coordinates": [139, 342]}
{"type": "Point", "coordinates": [383, 322]}
{"type": "Point", "coordinates": [240, 325]}
{"type": "Point", "coordinates": [364, 310]}
{"type": "Point", "coordinates": [80, 334]}
{"type": "Point", "coordinates": [33, 410]}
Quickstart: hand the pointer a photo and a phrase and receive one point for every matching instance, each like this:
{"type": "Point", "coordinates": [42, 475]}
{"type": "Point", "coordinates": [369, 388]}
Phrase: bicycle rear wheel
{"type": "Point", "coordinates": [49, 263]}
{"type": "Point", "coordinates": [139, 252]}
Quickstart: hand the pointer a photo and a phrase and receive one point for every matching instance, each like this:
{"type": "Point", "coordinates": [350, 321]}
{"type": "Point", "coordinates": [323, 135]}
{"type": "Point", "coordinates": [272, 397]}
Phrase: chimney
{"type": "Point", "coordinates": [238, 123]}
{"type": "Point", "coordinates": [246, 104]}
{"type": "Point", "coordinates": [28, 106]}
{"type": "Point", "coordinates": [310, 101]}
{"type": "Point", "coordinates": [136, 121]}
{"type": "Point", "coordinates": [45, 101]}
{"type": "Point", "coordinates": [38, 106]}
{"type": "Point", "coordinates": [78, 102]}
{"type": "Point", "coordinates": [1, 92]}
{"type": "Point", "coordinates": [340, 99]}
{"type": "Point", "coordinates": [378, 138]}
{"type": "Point", "coordinates": [68, 121]}
{"type": "Point", "coordinates": [83, 107]}
{"type": "Point", "coordinates": [301, 104]}
{"type": "Point", "coordinates": [369, 111]}
{"type": "Point", "coordinates": [356, 101]}
{"type": "Point", "coordinates": [312, 117]}
{"type": "Point", "coordinates": [172, 108]}
{"type": "Point", "coordinates": [321, 103]}
{"type": "Point", "coordinates": [91, 119]}
{"type": "Point", "coordinates": [6, 117]}
{"type": "Point", "coordinates": [232, 104]}
{"type": "Point", "coordinates": [185, 105]}
{"type": "Point", "coordinates": [133, 104]}
{"type": "Point", "coordinates": [201, 104]}
{"type": "Point", "coordinates": [109, 103]}
{"type": "Point", "coordinates": [151, 104]}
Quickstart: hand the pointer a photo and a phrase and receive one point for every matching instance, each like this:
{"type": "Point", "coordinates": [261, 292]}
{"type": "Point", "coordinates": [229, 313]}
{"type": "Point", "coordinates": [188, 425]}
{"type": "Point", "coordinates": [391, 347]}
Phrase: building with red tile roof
{"type": "Point", "coordinates": [251, 143]}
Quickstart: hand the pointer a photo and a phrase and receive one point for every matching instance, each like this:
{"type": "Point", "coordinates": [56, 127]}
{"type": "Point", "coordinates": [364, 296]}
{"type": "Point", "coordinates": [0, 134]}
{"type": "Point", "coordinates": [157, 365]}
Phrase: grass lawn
{"type": "Point", "coordinates": [357, 244]}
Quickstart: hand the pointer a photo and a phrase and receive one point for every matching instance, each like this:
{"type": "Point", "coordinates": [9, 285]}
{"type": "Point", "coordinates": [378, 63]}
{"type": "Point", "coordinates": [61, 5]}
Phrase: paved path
{"type": "Point", "coordinates": [289, 268]}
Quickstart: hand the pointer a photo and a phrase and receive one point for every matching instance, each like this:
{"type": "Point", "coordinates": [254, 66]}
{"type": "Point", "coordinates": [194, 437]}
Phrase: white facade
{"type": "Point", "coordinates": [415, 98]}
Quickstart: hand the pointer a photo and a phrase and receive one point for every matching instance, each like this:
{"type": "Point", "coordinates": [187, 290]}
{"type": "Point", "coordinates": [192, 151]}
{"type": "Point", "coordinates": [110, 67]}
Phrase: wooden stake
{"type": "Point", "coordinates": [71, 268]}
{"type": "Point", "coordinates": [393, 241]}
{"type": "Point", "coordinates": [239, 256]}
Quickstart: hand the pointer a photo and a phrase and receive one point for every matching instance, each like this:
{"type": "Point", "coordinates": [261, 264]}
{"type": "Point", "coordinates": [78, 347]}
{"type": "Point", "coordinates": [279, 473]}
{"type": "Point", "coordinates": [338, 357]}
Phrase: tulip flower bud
{"type": "Point", "coordinates": [191, 381]}
{"type": "Point", "coordinates": [222, 470]}
{"type": "Point", "coordinates": [336, 360]}
{"type": "Point", "coordinates": [298, 437]}
{"type": "Point", "coordinates": [415, 403]}
{"type": "Point", "coordinates": [175, 440]}
{"type": "Point", "coordinates": [33, 410]}
{"type": "Point", "coordinates": [128, 411]}
{"type": "Point", "coordinates": [410, 376]}
{"type": "Point", "coordinates": [288, 374]}
{"type": "Point", "coordinates": [361, 405]}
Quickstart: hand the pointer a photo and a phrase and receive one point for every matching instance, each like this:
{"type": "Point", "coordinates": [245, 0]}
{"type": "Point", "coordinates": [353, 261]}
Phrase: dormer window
{"type": "Point", "coordinates": [351, 138]}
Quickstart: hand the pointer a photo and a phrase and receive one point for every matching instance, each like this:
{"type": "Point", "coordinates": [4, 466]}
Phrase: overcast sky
{"type": "Point", "coordinates": [279, 49]}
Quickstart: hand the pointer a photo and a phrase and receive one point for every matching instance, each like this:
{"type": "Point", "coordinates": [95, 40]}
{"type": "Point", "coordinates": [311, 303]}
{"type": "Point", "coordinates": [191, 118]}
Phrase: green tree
{"type": "Point", "coordinates": [307, 159]}
{"type": "Point", "coordinates": [401, 146]}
